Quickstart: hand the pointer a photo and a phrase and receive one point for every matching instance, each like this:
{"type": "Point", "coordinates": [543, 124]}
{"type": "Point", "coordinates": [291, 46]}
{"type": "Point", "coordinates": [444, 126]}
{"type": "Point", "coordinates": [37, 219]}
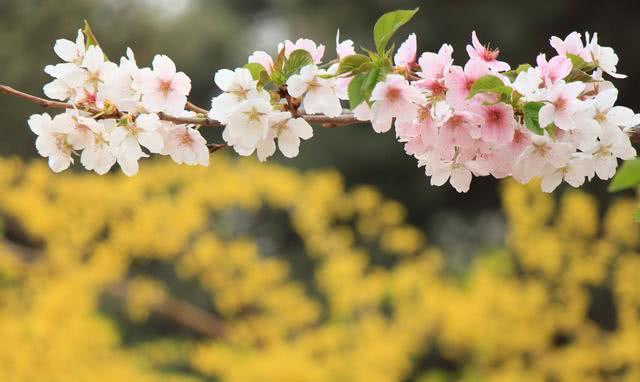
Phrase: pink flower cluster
{"type": "Point", "coordinates": [457, 134]}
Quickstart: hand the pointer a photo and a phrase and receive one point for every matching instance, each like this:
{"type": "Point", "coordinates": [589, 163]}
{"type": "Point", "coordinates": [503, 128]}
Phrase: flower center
{"type": "Point", "coordinates": [600, 116]}
{"type": "Point", "coordinates": [494, 116]}
{"type": "Point", "coordinates": [62, 144]}
{"type": "Point", "coordinates": [185, 139]}
{"type": "Point", "coordinates": [393, 94]}
{"type": "Point", "coordinates": [603, 151]}
{"type": "Point", "coordinates": [560, 103]}
{"type": "Point", "coordinates": [254, 115]}
{"type": "Point", "coordinates": [165, 87]}
{"type": "Point", "coordinates": [490, 54]}
{"type": "Point", "coordinates": [541, 149]}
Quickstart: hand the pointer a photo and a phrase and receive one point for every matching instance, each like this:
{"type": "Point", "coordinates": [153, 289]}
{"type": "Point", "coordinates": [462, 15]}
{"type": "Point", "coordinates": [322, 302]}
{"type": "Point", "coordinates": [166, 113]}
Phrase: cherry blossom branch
{"type": "Point", "coordinates": [324, 121]}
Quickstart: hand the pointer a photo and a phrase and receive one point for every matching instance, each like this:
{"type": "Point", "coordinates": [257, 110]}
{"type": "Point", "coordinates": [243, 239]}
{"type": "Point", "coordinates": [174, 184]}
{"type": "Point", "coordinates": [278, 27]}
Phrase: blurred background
{"type": "Point", "coordinates": [542, 278]}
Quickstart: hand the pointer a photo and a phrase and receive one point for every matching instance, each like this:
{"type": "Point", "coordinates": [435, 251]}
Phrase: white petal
{"type": "Point", "coordinates": [296, 86]}
{"type": "Point", "coordinates": [164, 67]}
{"type": "Point", "coordinates": [265, 149]}
{"type": "Point", "coordinates": [289, 143]}
{"type": "Point", "coordinates": [547, 115]}
{"type": "Point", "coordinates": [301, 128]}
{"type": "Point", "coordinates": [224, 78]}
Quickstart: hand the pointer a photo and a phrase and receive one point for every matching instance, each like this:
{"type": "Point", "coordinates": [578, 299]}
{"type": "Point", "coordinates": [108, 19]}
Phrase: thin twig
{"type": "Point", "coordinates": [213, 147]}
{"type": "Point", "coordinates": [329, 122]}
{"type": "Point", "coordinates": [197, 109]}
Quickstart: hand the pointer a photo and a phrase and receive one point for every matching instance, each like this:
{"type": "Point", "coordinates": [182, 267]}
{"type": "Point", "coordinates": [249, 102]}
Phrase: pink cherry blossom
{"type": "Point", "coordinates": [393, 98]}
{"type": "Point", "coordinates": [562, 104]}
{"type": "Point", "coordinates": [555, 69]}
{"type": "Point", "coordinates": [406, 55]}
{"type": "Point", "coordinates": [485, 54]}
{"type": "Point", "coordinates": [572, 44]}
{"type": "Point", "coordinates": [186, 145]}
{"type": "Point", "coordinates": [433, 66]}
{"type": "Point", "coordinates": [460, 131]}
{"type": "Point", "coordinates": [344, 48]}
{"type": "Point", "coordinates": [316, 51]}
{"type": "Point", "coordinates": [163, 89]}
{"type": "Point", "coordinates": [263, 58]}
{"type": "Point", "coordinates": [459, 81]}
{"type": "Point", "coordinates": [498, 124]}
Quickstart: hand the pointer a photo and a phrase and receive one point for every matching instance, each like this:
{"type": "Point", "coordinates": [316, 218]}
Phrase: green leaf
{"type": "Point", "coordinates": [355, 90]}
{"type": "Point", "coordinates": [579, 75]}
{"type": "Point", "coordinates": [531, 112]}
{"type": "Point", "coordinates": [627, 176]}
{"type": "Point", "coordinates": [636, 216]}
{"type": "Point", "coordinates": [89, 37]}
{"type": "Point", "coordinates": [297, 60]}
{"type": "Point", "coordinates": [255, 69]}
{"type": "Point", "coordinates": [258, 73]}
{"type": "Point", "coordinates": [577, 62]}
{"type": "Point", "coordinates": [387, 25]}
{"type": "Point", "coordinates": [375, 75]}
{"type": "Point", "coordinates": [513, 74]}
{"type": "Point", "coordinates": [355, 63]}
{"type": "Point", "coordinates": [279, 63]}
{"type": "Point", "coordinates": [489, 84]}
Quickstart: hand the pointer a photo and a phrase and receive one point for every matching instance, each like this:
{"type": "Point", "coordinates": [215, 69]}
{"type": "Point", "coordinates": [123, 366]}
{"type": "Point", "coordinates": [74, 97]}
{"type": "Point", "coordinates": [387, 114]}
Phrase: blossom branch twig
{"type": "Point", "coordinates": [324, 121]}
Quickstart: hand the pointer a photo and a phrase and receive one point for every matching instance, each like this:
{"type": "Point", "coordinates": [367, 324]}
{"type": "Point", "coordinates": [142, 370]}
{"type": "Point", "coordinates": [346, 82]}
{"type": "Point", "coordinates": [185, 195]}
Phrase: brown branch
{"type": "Point", "coordinates": [213, 147]}
{"type": "Point", "coordinates": [197, 109]}
{"type": "Point", "coordinates": [201, 121]}
{"type": "Point", "coordinates": [328, 122]}
{"type": "Point", "coordinates": [45, 103]}
{"type": "Point", "coordinates": [182, 312]}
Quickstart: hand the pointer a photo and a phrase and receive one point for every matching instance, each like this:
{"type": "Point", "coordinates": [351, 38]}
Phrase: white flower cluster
{"type": "Point", "coordinates": [91, 82]}
{"type": "Point", "coordinates": [252, 122]}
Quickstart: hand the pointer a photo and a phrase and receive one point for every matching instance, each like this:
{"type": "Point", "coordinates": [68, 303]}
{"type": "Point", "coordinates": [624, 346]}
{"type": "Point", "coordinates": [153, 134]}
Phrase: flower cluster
{"type": "Point", "coordinates": [115, 114]}
{"type": "Point", "coordinates": [556, 120]}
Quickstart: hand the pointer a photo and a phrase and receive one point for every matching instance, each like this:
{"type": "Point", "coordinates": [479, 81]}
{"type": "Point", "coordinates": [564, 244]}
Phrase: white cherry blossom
{"type": "Point", "coordinates": [163, 89]}
{"type": "Point", "coordinates": [320, 96]}
{"type": "Point", "coordinates": [186, 145]}
{"type": "Point", "coordinates": [238, 86]}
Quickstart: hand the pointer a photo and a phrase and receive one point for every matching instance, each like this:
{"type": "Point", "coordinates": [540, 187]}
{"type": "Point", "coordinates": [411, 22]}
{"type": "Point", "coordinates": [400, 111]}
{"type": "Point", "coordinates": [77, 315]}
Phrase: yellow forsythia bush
{"type": "Point", "coordinates": [251, 272]}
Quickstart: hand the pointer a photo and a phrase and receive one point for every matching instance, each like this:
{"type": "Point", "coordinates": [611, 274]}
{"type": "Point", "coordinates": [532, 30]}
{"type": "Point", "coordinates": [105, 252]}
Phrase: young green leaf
{"type": "Point", "coordinates": [627, 176]}
{"type": "Point", "coordinates": [355, 63]}
{"type": "Point", "coordinates": [577, 62]}
{"type": "Point", "coordinates": [490, 84]}
{"type": "Point", "coordinates": [90, 38]}
{"type": "Point", "coordinates": [297, 60]}
{"type": "Point", "coordinates": [513, 74]}
{"type": "Point", "coordinates": [255, 69]}
{"type": "Point", "coordinates": [374, 76]}
{"type": "Point", "coordinates": [279, 63]}
{"type": "Point", "coordinates": [387, 25]}
{"type": "Point", "coordinates": [531, 112]}
{"type": "Point", "coordinates": [258, 73]}
{"type": "Point", "coordinates": [578, 75]}
{"type": "Point", "coordinates": [355, 90]}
